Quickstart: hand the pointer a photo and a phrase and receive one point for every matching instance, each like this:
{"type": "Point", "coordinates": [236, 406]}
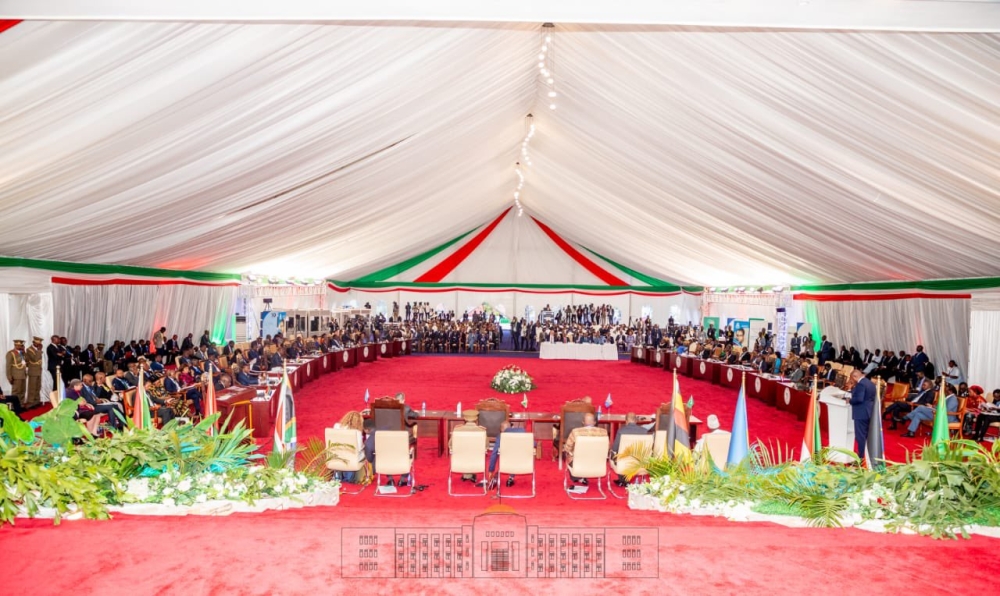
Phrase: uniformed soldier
{"type": "Point", "coordinates": [17, 373]}
{"type": "Point", "coordinates": [33, 359]}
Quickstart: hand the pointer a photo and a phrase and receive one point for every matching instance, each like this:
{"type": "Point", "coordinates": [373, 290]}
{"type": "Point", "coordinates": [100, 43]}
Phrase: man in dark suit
{"type": "Point", "coordinates": [919, 360]}
{"type": "Point", "coordinates": [245, 377]}
{"type": "Point", "coordinates": [631, 427]}
{"type": "Point", "coordinates": [54, 352]}
{"type": "Point", "coordinates": [89, 392]}
{"type": "Point", "coordinates": [862, 404]}
{"type": "Point", "coordinates": [923, 397]}
{"type": "Point", "coordinates": [826, 350]}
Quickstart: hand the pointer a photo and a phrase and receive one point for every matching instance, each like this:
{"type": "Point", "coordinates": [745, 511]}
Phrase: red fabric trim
{"type": "Point", "coordinates": [871, 297]}
{"type": "Point", "coordinates": [7, 24]}
{"type": "Point", "coordinates": [70, 281]}
{"type": "Point", "coordinates": [493, 290]}
{"type": "Point", "coordinates": [589, 265]}
{"type": "Point", "coordinates": [442, 269]}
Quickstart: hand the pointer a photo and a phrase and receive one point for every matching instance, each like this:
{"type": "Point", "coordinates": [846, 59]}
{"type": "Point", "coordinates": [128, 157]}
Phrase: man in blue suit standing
{"type": "Point", "coordinates": [862, 404]}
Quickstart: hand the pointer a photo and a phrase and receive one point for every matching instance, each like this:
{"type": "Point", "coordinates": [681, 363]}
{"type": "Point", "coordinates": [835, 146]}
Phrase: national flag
{"type": "Point", "coordinates": [607, 402]}
{"type": "Point", "coordinates": [524, 401]}
{"type": "Point", "coordinates": [210, 406]}
{"type": "Point", "coordinates": [678, 440]}
{"type": "Point", "coordinates": [739, 442]}
{"type": "Point", "coordinates": [875, 447]}
{"type": "Point", "coordinates": [140, 407]}
{"type": "Point", "coordinates": [940, 434]}
{"type": "Point", "coordinates": [812, 442]}
{"type": "Point", "coordinates": [367, 397]}
{"type": "Point", "coordinates": [285, 435]}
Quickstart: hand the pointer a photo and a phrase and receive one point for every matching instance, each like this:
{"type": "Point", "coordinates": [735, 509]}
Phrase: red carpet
{"type": "Point", "coordinates": [299, 552]}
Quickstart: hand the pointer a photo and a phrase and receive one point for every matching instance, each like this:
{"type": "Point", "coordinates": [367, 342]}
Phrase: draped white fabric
{"type": "Point", "coordinates": [984, 349]}
{"type": "Point", "coordinates": [706, 156]}
{"type": "Point", "coordinates": [940, 325]}
{"type": "Point", "coordinates": [23, 316]}
{"type": "Point", "coordinates": [102, 314]}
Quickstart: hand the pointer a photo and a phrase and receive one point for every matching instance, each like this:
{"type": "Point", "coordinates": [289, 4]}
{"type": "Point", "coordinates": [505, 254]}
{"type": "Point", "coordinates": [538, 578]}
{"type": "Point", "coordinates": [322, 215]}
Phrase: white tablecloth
{"type": "Point", "coordinates": [557, 351]}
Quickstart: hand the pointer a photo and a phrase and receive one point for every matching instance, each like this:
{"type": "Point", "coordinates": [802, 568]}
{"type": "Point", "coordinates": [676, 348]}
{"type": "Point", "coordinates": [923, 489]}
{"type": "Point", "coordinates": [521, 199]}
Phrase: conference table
{"type": "Point", "coordinates": [567, 351]}
{"type": "Point", "coordinates": [446, 420]}
{"type": "Point", "coordinates": [250, 405]}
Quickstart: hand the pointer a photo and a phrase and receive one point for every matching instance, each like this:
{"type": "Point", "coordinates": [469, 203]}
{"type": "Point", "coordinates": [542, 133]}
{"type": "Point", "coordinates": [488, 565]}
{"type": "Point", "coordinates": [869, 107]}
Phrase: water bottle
{"type": "Point", "coordinates": [458, 410]}
{"type": "Point", "coordinates": [599, 412]}
{"type": "Point", "coordinates": [423, 409]}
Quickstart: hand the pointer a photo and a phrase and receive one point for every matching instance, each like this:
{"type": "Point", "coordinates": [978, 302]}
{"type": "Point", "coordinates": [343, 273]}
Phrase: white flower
{"type": "Point", "coordinates": [200, 498]}
{"type": "Point", "coordinates": [184, 485]}
{"type": "Point", "coordinates": [168, 491]}
{"type": "Point", "coordinates": [169, 502]}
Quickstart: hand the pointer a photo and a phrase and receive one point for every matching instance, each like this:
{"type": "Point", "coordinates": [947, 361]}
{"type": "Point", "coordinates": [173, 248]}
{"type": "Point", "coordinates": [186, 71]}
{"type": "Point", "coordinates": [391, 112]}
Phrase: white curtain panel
{"type": "Point", "coordinates": [101, 314]}
{"type": "Point", "coordinates": [184, 309]}
{"type": "Point", "coordinates": [716, 157]}
{"type": "Point", "coordinates": [984, 362]}
{"type": "Point", "coordinates": [940, 325]}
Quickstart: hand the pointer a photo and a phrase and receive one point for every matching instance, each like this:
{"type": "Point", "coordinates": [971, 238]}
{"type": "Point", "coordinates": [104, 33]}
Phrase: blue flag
{"type": "Point", "coordinates": [367, 397]}
{"type": "Point", "coordinates": [608, 402]}
{"type": "Point", "coordinates": [739, 443]}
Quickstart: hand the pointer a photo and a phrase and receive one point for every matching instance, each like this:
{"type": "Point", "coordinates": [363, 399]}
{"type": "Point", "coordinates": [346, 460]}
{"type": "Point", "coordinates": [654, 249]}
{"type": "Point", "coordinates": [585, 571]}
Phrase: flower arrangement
{"type": "Point", "coordinates": [512, 379]}
{"type": "Point", "coordinates": [54, 468]}
{"type": "Point", "coordinates": [946, 492]}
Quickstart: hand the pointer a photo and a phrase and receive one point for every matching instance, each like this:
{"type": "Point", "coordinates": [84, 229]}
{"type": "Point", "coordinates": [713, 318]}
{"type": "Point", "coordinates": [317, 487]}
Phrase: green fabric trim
{"type": "Point", "coordinates": [970, 283]}
{"type": "Point", "coordinates": [652, 281]}
{"type": "Point", "coordinates": [98, 269]}
{"type": "Point", "coordinates": [392, 270]}
{"type": "Point", "coordinates": [444, 287]}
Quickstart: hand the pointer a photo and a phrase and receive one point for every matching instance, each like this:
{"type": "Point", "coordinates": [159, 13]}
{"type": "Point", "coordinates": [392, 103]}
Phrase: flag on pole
{"type": "Point", "coordinates": [285, 435]}
{"type": "Point", "coordinates": [211, 406]}
{"type": "Point", "coordinates": [875, 447]}
{"type": "Point", "coordinates": [607, 402]}
{"type": "Point", "coordinates": [367, 397]}
{"type": "Point", "coordinates": [60, 390]}
{"type": "Point", "coordinates": [524, 401]}
{"type": "Point", "coordinates": [140, 407]}
{"type": "Point", "coordinates": [940, 435]}
{"type": "Point", "coordinates": [812, 442]}
{"type": "Point", "coordinates": [739, 442]}
{"type": "Point", "coordinates": [678, 440]}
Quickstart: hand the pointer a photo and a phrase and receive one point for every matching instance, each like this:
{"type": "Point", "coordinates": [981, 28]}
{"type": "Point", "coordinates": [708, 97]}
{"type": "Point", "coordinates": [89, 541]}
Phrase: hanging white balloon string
{"type": "Point", "coordinates": [547, 80]}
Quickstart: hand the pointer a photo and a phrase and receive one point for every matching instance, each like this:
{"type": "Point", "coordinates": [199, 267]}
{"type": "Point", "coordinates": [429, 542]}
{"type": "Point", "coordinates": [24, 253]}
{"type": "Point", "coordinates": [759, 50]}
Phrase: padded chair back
{"type": "Point", "coordinates": [346, 456]}
{"type": "Point", "coordinates": [590, 457]}
{"type": "Point", "coordinates": [664, 417]}
{"type": "Point", "coordinates": [388, 414]}
{"type": "Point", "coordinates": [392, 452]}
{"type": "Point", "coordinates": [492, 414]}
{"type": "Point", "coordinates": [517, 453]}
{"type": "Point", "coordinates": [717, 445]}
{"type": "Point", "coordinates": [468, 452]}
{"type": "Point", "coordinates": [627, 441]}
{"type": "Point", "coordinates": [571, 416]}
{"type": "Point", "coordinates": [659, 443]}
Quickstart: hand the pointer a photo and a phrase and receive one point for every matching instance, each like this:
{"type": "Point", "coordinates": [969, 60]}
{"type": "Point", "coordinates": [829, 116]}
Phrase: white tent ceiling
{"type": "Point", "coordinates": [703, 156]}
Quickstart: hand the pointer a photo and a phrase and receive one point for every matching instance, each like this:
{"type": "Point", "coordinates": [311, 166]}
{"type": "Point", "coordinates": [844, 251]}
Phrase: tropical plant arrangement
{"type": "Point", "coordinates": [53, 465]}
{"type": "Point", "coordinates": [950, 488]}
{"type": "Point", "coordinates": [512, 379]}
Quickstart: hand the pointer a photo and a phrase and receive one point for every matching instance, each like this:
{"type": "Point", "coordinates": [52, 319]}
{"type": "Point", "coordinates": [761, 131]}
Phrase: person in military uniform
{"type": "Point", "coordinates": [33, 358]}
{"type": "Point", "coordinates": [17, 373]}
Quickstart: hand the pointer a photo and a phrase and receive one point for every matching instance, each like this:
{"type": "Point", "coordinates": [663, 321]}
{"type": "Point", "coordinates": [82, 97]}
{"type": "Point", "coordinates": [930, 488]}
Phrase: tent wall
{"type": "Point", "coordinates": [103, 313]}
{"type": "Point", "coordinates": [984, 346]}
{"type": "Point", "coordinates": [941, 325]}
